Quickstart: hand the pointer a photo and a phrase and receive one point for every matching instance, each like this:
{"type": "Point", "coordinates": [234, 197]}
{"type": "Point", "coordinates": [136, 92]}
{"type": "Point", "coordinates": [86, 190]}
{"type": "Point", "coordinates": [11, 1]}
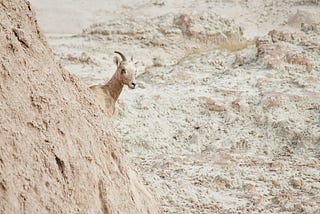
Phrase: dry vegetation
{"type": "Point", "coordinates": [236, 45]}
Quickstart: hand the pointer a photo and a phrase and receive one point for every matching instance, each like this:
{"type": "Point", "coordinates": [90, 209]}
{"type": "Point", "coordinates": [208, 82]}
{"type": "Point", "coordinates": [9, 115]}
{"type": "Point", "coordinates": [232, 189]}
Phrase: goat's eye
{"type": "Point", "coordinates": [123, 71]}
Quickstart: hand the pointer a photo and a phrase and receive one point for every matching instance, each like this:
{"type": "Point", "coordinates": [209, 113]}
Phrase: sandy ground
{"type": "Point", "coordinates": [225, 118]}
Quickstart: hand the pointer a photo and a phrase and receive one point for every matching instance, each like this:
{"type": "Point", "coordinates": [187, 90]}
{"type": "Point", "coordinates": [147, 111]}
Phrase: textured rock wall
{"type": "Point", "coordinates": [58, 153]}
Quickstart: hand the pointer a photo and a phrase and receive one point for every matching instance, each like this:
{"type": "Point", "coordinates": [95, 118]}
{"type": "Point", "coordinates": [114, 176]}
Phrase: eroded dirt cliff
{"type": "Point", "coordinates": [58, 153]}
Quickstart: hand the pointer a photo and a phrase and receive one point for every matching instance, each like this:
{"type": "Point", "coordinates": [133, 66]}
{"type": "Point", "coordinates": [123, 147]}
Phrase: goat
{"type": "Point", "coordinates": [108, 94]}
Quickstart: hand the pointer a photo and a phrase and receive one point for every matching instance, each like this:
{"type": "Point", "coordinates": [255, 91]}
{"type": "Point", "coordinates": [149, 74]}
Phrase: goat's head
{"type": "Point", "coordinates": [126, 70]}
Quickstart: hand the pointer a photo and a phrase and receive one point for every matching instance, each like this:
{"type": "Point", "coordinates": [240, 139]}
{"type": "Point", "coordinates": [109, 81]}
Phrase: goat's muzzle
{"type": "Point", "coordinates": [132, 85]}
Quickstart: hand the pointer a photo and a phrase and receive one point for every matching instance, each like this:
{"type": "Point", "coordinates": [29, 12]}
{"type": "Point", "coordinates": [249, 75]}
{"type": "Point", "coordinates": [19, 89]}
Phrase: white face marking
{"type": "Point", "coordinates": [127, 72]}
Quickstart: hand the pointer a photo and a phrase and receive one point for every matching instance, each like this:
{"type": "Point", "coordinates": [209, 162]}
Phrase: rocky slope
{"type": "Point", "coordinates": [58, 153]}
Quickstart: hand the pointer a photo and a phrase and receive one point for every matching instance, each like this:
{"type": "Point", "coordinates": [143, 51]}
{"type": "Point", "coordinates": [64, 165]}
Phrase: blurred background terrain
{"type": "Point", "coordinates": [226, 116]}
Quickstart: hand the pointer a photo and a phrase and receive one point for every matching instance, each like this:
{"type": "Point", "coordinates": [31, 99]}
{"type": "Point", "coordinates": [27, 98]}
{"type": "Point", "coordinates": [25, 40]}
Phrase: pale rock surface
{"type": "Point", "coordinates": [225, 118]}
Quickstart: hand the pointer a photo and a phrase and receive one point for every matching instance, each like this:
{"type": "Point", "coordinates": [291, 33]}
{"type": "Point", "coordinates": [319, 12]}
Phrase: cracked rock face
{"type": "Point", "coordinates": [58, 152]}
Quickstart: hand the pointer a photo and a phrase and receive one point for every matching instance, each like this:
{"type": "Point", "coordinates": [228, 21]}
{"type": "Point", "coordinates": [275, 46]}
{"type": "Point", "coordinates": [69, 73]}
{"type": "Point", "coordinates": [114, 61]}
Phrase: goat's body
{"type": "Point", "coordinates": [108, 94]}
{"type": "Point", "coordinates": [104, 99]}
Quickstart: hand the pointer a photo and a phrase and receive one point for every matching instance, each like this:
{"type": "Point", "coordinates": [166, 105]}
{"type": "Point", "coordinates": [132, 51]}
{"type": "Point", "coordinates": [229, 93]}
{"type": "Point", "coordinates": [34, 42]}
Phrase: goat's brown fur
{"type": "Point", "coordinates": [108, 94]}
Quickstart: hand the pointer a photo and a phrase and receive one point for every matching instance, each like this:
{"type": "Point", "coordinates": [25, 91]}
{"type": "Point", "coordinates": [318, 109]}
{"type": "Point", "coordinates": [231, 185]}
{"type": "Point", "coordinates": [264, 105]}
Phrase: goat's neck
{"type": "Point", "coordinates": [114, 86]}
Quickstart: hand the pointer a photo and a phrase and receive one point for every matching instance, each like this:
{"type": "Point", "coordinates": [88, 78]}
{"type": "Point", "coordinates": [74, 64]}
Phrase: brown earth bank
{"type": "Point", "coordinates": [58, 152]}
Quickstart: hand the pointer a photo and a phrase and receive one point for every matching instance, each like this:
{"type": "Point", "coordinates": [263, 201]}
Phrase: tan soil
{"type": "Point", "coordinates": [58, 152]}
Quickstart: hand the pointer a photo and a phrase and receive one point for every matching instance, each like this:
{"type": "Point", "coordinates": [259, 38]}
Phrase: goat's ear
{"type": "Point", "coordinates": [117, 60]}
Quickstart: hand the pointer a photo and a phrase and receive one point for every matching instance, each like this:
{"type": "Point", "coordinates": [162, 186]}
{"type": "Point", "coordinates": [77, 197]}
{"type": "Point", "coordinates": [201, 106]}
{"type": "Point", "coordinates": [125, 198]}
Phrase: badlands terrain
{"type": "Point", "coordinates": [226, 114]}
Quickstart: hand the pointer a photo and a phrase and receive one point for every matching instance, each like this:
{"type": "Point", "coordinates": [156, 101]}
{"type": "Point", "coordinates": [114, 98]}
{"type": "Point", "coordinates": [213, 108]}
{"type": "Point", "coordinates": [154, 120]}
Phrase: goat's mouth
{"type": "Point", "coordinates": [132, 85]}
